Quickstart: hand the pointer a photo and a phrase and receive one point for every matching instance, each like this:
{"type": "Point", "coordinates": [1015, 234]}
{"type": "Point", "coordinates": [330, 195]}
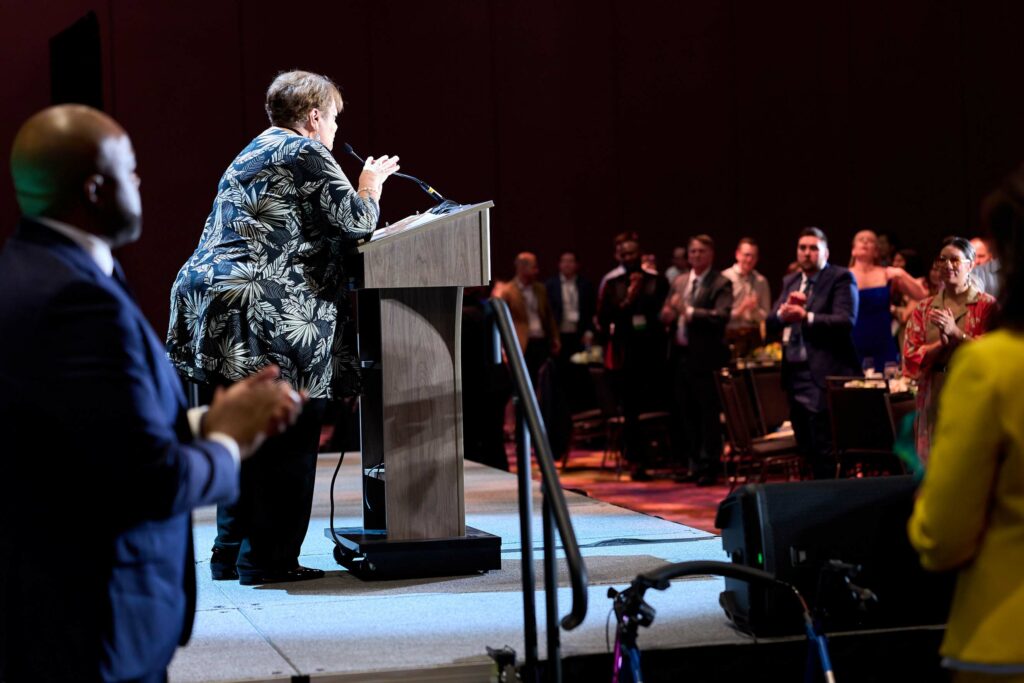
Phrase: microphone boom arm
{"type": "Point", "coordinates": [434, 194]}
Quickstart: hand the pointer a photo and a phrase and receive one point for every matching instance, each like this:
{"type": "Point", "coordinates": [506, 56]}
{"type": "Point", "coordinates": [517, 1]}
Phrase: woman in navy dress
{"type": "Point", "coordinates": [872, 333]}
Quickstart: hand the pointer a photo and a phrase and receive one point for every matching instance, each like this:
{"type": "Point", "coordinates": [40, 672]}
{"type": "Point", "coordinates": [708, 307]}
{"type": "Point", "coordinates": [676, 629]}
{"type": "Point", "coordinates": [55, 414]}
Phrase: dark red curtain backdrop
{"type": "Point", "coordinates": [579, 119]}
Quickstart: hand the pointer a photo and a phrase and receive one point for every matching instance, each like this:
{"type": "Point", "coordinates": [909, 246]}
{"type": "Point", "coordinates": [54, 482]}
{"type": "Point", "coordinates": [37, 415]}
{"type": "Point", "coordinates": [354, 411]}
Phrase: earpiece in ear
{"type": "Point", "coordinates": [92, 186]}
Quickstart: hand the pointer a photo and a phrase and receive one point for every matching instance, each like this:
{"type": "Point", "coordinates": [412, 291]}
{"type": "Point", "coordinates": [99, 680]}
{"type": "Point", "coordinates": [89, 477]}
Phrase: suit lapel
{"type": "Point", "coordinates": [821, 284]}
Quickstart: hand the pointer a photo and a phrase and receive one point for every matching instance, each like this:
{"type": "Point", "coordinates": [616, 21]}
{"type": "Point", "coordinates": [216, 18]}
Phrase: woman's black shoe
{"type": "Point", "coordinates": [299, 573]}
{"type": "Point", "coordinates": [222, 564]}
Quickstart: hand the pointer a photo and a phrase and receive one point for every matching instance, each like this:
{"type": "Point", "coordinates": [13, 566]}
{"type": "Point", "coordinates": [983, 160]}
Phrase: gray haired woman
{"type": "Point", "coordinates": [265, 285]}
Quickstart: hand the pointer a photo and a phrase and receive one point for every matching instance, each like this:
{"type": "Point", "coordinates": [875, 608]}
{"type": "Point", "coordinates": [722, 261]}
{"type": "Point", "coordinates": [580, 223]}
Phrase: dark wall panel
{"type": "Point", "coordinates": [578, 119]}
{"type": "Point", "coordinates": [675, 122]}
{"type": "Point", "coordinates": [792, 163]}
{"type": "Point", "coordinates": [25, 32]}
{"type": "Point", "coordinates": [535, 158]}
{"type": "Point", "coordinates": [175, 69]}
{"type": "Point", "coordinates": [907, 116]}
{"type": "Point", "coordinates": [994, 138]}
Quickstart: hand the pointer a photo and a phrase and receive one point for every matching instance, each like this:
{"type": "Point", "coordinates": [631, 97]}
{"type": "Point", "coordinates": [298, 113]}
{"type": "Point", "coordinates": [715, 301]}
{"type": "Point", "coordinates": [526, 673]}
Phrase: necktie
{"type": "Point", "coordinates": [795, 350]}
{"type": "Point", "coordinates": [681, 336]}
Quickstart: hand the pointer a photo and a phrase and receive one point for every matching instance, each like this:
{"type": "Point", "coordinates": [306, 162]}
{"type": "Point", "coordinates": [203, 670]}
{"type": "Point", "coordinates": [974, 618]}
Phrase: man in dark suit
{"type": "Point", "coordinates": [699, 303]}
{"type": "Point", "coordinates": [635, 356]}
{"type": "Point", "coordinates": [573, 302]}
{"type": "Point", "coordinates": [815, 313]}
{"type": "Point", "coordinates": [95, 426]}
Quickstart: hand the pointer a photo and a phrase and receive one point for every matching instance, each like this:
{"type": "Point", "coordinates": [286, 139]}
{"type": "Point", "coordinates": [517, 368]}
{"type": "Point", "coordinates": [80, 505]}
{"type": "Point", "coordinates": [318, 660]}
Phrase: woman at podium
{"type": "Point", "coordinates": [265, 285]}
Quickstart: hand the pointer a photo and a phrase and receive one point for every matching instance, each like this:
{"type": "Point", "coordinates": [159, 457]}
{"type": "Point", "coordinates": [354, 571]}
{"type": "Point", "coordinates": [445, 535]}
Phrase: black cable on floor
{"type": "Point", "coordinates": [341, 459]}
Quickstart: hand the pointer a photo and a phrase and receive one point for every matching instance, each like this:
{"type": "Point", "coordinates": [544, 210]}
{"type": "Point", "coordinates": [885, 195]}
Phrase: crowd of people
{"type": "Point", "coordinates": [664, 336]}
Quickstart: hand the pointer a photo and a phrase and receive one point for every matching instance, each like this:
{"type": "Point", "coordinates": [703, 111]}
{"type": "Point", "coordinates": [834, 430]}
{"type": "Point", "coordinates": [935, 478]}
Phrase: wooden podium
{"type": "Point", "coordinates": [409, 324]}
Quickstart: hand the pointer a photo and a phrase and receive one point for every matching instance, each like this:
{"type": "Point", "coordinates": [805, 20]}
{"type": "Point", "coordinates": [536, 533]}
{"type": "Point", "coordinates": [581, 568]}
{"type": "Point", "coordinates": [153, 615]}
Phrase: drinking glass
{"type": "Point", "coordinates": [892, 370]}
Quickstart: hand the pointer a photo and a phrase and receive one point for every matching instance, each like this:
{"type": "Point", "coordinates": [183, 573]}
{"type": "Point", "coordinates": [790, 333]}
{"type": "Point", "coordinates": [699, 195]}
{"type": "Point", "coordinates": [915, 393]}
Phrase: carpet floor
{"type": "Point", "coordinates": [661, 497]}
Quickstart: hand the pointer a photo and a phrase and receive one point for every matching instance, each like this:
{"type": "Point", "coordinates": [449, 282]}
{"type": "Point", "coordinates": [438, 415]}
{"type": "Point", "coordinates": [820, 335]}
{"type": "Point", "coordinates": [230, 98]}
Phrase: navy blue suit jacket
{"type": "Point", "coordinates": [98, 474]}
{"type": "Point", "coordinates": [829, 339]}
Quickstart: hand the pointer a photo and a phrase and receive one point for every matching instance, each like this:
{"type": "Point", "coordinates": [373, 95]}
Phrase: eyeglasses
{"type": "Point", "coordinates": [950, 260]}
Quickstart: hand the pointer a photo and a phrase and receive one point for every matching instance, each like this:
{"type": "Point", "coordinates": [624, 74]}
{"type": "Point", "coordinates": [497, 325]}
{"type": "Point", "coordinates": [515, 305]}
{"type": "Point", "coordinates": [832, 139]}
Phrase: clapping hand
{"type": "Point", "coordinates": [795, 308]}
{"type": "Point", "coordinates": [943, 319]}
{"type": "Point", "coordinates": [747, 303]}
{"type": "Point", "coordinates": [256, 407]}
{"type": "Point", "coordinates": [792, 313]}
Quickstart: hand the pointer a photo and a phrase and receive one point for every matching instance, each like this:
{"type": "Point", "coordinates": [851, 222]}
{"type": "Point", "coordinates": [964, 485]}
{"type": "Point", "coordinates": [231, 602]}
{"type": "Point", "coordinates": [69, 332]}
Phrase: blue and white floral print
{"type": "Point", "coordinates": [265, 284]}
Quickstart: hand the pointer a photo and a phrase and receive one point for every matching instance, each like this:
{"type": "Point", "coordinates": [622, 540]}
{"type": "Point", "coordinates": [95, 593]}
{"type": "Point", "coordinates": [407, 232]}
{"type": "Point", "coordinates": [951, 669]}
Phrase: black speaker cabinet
{"type": "Point", "coordinates": [794, 530]}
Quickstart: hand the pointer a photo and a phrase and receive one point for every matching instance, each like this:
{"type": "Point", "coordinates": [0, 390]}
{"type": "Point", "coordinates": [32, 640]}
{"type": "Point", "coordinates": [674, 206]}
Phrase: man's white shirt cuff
{"type": "Point", "coordinates": [195, 423]}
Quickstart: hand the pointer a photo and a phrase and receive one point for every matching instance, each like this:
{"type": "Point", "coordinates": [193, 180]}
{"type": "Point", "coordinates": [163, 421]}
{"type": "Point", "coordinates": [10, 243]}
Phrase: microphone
{"type": "Point", "coordinates": [434, 194]}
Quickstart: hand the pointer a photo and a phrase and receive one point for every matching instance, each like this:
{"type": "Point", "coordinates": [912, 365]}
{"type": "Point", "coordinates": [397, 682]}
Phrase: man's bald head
{"type": "Point", "coordinates": [76, 164]}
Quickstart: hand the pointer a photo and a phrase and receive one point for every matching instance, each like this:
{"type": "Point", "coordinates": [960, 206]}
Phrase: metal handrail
{"type": "Point", "coordinates": [554, 506]}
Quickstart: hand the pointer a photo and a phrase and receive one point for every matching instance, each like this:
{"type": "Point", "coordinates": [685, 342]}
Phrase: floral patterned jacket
{"type": "Point", "coordinates": [265, 285]}
{"type": "Point", "coordinates": [929, 372]}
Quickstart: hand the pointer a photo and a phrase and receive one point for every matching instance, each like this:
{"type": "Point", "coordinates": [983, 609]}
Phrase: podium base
{"type": "Point", "coordinates": [370, 555]}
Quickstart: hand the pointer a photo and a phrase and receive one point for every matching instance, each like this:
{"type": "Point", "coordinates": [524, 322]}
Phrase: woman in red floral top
{"type": "Point", "coordinates": [940, 324]}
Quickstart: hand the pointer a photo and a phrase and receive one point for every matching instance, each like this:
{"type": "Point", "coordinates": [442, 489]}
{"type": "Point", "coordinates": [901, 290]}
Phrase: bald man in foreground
{"type": "Point", "coordinates": [100, 463]}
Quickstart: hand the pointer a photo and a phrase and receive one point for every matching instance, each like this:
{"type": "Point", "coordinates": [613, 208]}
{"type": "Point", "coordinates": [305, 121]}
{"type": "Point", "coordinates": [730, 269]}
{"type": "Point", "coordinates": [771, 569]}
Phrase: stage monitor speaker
{"type": "Point", "coordinates": [76, 65]}
{"type": "Point", "coordinates": [794, 530]}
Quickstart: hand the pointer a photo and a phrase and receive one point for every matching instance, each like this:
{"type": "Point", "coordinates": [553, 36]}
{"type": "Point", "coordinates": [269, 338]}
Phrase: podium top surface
{"type": "Point", "coordinates": [427, 250]}
{"type": "Point", "coordinates": [418, 223]}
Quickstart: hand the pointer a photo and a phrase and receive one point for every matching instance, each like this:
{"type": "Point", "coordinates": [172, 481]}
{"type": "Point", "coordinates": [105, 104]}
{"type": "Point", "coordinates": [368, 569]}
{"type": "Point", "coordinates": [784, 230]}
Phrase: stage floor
{"type": "Point", "coordinates": [343, 629]}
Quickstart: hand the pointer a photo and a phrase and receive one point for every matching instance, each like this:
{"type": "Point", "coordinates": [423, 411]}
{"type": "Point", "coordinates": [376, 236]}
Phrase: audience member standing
{"type": "Point", "coordinates": [628, 310]}
{"type": "Point", "coordinates": [95, 425]}
{"type": "Point", "coordinates": [574, 303]}
{"type": "Point", "coordinates": [969, 512]}
{"type": "Point", "coordinates": [535, 325]}
{"type": "Point", "coordinates": [486, 386]}
{"type": "Point", "coordinates": [699, 303]}
{"type": "Point", "coordinates": [679, 264]}
{"type": "Point", "coordinates": [902, 305]}
{"type": "Point", "coordinates": [872, 334]}
{"type": "Point", "coordinates": [815, 312]}
{"type": "Point", "coordinates": [982, 253]}
{"type": "Point", "coordinates": [986, 276]}
{"type": "Point", "coordinates": [620, 239]}
{"type": "Point", "coordinates": [938, 326]}
{"type": "Point", "coordinates": [751, 300]}
{"type": "Point", "coordinates": [888, 245]}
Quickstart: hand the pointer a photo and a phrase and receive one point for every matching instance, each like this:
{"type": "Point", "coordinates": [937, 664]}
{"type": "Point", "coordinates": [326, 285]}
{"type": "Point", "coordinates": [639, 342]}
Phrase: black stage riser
{"type": "Point", "coordinates": [876, 657]}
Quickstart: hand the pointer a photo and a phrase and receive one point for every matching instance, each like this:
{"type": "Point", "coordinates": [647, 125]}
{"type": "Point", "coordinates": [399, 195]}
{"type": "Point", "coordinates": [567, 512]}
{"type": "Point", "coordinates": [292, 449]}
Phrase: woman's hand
{"type": "Point", "coordinates": [375, 172]}
{"type": "Point", "coordinates": [943, 319]}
